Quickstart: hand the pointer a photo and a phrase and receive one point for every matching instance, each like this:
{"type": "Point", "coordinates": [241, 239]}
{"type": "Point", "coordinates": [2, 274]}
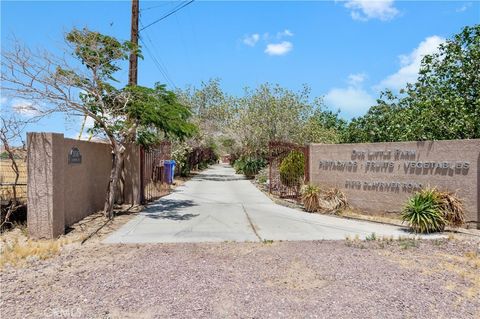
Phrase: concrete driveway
{"type": "Point", "coordinates": [218, 205]}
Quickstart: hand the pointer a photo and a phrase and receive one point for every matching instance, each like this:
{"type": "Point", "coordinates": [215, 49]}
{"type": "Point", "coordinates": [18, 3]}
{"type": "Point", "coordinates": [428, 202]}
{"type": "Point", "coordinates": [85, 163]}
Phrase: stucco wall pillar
{"type": "Point", "coordinates": [132, 175]}
{"type": "Point", "coordinates": [45, 191]}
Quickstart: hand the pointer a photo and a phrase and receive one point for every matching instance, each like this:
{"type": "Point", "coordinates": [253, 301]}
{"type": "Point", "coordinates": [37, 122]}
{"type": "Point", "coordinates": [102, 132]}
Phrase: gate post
{"type": "Point", "coordinates": [142, 175]}
{"type": "Point", "coordinates": [45, 191]}
{"type": "Point", "coordinates": [270, 167]}
{"type": "Point", "coordinates": [306, 153]}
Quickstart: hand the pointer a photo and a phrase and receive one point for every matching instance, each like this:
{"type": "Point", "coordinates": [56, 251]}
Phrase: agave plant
{"type": "Point", "coordinates": [310, 198]}
{"type": "Point", "coordinates": [423, 213]}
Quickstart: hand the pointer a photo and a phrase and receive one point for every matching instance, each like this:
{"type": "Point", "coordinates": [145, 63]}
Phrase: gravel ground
{"type": "Point", "coordinates": [323, 279]}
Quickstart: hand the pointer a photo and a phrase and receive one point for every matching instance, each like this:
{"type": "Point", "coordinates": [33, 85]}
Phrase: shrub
{"type": "Point", "coordinates": [310, 198]}
{"type": "Point", "coordinates": [430, 210]}
{"type": "Point", "coordinates": [253, 166]}
{"type": "Point", "coordinates": [249, 166]}
{"type": "Point", "coordinates": [238, 165]}
{"type": "Point", "coordinates": [423, 213]}
{"type": "Point", "coordinates": [292, 169]}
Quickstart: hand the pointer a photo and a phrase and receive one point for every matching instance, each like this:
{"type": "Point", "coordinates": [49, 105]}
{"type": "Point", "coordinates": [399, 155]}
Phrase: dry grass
{"type": "Point", "coordinates": [7, 175]}
{"type": "Point", "coordinates": [465, 267]}
{"type": "Point", "coordinates": [16, 249]}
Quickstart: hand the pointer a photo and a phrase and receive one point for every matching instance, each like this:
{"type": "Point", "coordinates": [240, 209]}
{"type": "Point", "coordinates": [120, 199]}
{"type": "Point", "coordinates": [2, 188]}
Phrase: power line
{"type": "Point", "coordinates": [163, 71]}
{"type": "Point", "coordinates": [178, 8]}
{"type": "Point", "coordinates": [157, 6]}
{"type": "Point", "coordinates": [158, 62]}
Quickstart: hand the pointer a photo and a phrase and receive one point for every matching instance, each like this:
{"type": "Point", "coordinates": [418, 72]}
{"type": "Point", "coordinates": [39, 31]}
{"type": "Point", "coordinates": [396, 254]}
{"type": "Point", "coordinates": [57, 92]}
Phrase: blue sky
{"type": "Point", "coordinates": [346, 51]}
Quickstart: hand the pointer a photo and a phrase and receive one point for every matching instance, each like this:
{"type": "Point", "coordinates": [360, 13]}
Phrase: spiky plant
{"type": "Point", "coordinates": [310, 198]}
{"type": "Point", "coordinates": [423, 213]}
{"type": "Point", "coordinates": [334, 200]}
{"type": "Point", "coordinates": [452, 208]}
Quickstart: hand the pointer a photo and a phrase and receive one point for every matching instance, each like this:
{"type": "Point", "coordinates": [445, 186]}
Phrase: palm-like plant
{"type": "Point", "coordinates": [423, 212]}
{"type": "Point", "coordinates": [310, 198]}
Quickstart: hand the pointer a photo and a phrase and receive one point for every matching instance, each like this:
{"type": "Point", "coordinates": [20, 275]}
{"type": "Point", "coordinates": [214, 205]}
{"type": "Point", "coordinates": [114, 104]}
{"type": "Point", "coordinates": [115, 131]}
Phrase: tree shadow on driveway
{"type": "Point", "coordinates": [169, 209]}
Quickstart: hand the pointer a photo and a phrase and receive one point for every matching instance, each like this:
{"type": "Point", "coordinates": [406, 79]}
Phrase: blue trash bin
{"type": "Point", "coordinates": [169, 170]}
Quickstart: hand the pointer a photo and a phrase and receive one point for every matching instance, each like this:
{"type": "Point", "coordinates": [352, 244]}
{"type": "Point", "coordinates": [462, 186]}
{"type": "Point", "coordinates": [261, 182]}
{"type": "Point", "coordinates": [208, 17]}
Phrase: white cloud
{"type": "Point", "coordinates": [464, 7]}
{"type": "Point", "coordinates": [410, 64]}
{"type": "Point", "coordinates": [279, 48]}
{"type": "Point", "coordinates": [284, 33]}
{"type": "Point", "coordinates": [25, 108]}
{"type": "Point", "coordinates": [356, 79]}
{"type": "Point", "coordinates": [352, 100]}
{"type": "Point", "coordinates": [364, 10]}
{"type": "Point", "coordinates": [251, 40]}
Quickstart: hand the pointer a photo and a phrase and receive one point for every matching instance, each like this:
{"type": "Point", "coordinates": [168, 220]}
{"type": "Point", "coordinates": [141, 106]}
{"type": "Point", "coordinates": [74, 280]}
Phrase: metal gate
{"type": "Point", "coordinates": [278, 151]}
{"type": "Point", "coordinates": [152, 170]}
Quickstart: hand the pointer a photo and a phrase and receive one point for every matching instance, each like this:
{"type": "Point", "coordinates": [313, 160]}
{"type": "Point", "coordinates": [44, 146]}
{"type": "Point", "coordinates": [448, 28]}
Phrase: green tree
{"type": "Point", "coordinates": [444, 103]}
{"type": "Point", "coordinates": [85, 86]}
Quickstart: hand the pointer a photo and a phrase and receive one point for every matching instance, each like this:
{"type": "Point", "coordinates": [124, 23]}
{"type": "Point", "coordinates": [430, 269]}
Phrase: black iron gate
{"type": "Point", "coordinates": [284, 186]}
{"type": "Point", "coordinates": [153, 179]}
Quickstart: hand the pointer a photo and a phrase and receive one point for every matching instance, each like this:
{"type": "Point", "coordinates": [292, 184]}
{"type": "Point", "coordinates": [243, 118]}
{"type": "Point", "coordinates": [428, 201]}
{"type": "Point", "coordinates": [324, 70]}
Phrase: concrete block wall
{"type": "Point", "coordinates": [376, 177]}
{"type": "Point", "coordinates": [61, 193]}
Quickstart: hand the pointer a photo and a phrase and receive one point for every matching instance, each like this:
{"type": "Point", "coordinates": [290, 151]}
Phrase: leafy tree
{"type": "Point", "coordinates": [444, 103]}
{"type": "Point", "coordinates": [271, 112]}
{"type": "Point", "coordinates": [85, 86]}
{"type": "Point", "coordinates": [324, 126]}
{"type": "Point", "coordinates": [244, 125]}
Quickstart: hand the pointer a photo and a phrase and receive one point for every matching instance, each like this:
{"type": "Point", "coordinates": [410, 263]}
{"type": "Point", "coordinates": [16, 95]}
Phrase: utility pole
{"type": "Point", "coordinates": [133, 69]}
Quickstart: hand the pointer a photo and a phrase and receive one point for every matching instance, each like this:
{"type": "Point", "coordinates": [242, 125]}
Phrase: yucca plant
{"type": "Point", "coordinates": [334, 200]}
{"type": "Point", "coordinates": [310, 198]}
{"type": "Point", "coordinates": [423, 213]}
{"type": "Point", "coordinates": [252, 166]}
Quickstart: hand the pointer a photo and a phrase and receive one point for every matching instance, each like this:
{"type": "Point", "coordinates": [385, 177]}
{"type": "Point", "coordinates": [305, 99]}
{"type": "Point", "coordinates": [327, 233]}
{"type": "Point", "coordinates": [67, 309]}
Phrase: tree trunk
{"type": "Point", "coordinates": [118, 152]}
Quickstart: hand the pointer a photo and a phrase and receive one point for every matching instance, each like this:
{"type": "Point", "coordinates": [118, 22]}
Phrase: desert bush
{"type": "Point", "coordinates": [422, 212]}
{"type": "Point", "coordinates": [292, 169]}
{"type": "Point", "coordinates": [310, 198]}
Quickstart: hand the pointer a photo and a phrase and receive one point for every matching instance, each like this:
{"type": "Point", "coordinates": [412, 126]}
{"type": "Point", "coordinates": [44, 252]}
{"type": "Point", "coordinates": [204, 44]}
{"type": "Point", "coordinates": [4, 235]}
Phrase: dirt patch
{"type": "Point", "coordinates": [17, 250]}
{"type": "Point", "coordinates": [390, 279]}
{"type": "Point", "coordinates": [297, 276]}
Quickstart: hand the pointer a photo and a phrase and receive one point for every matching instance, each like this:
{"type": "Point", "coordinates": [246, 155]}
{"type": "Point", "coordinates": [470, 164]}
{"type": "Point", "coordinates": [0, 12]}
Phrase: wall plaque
{"type": "Point", "coordinates": [74, 156]}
